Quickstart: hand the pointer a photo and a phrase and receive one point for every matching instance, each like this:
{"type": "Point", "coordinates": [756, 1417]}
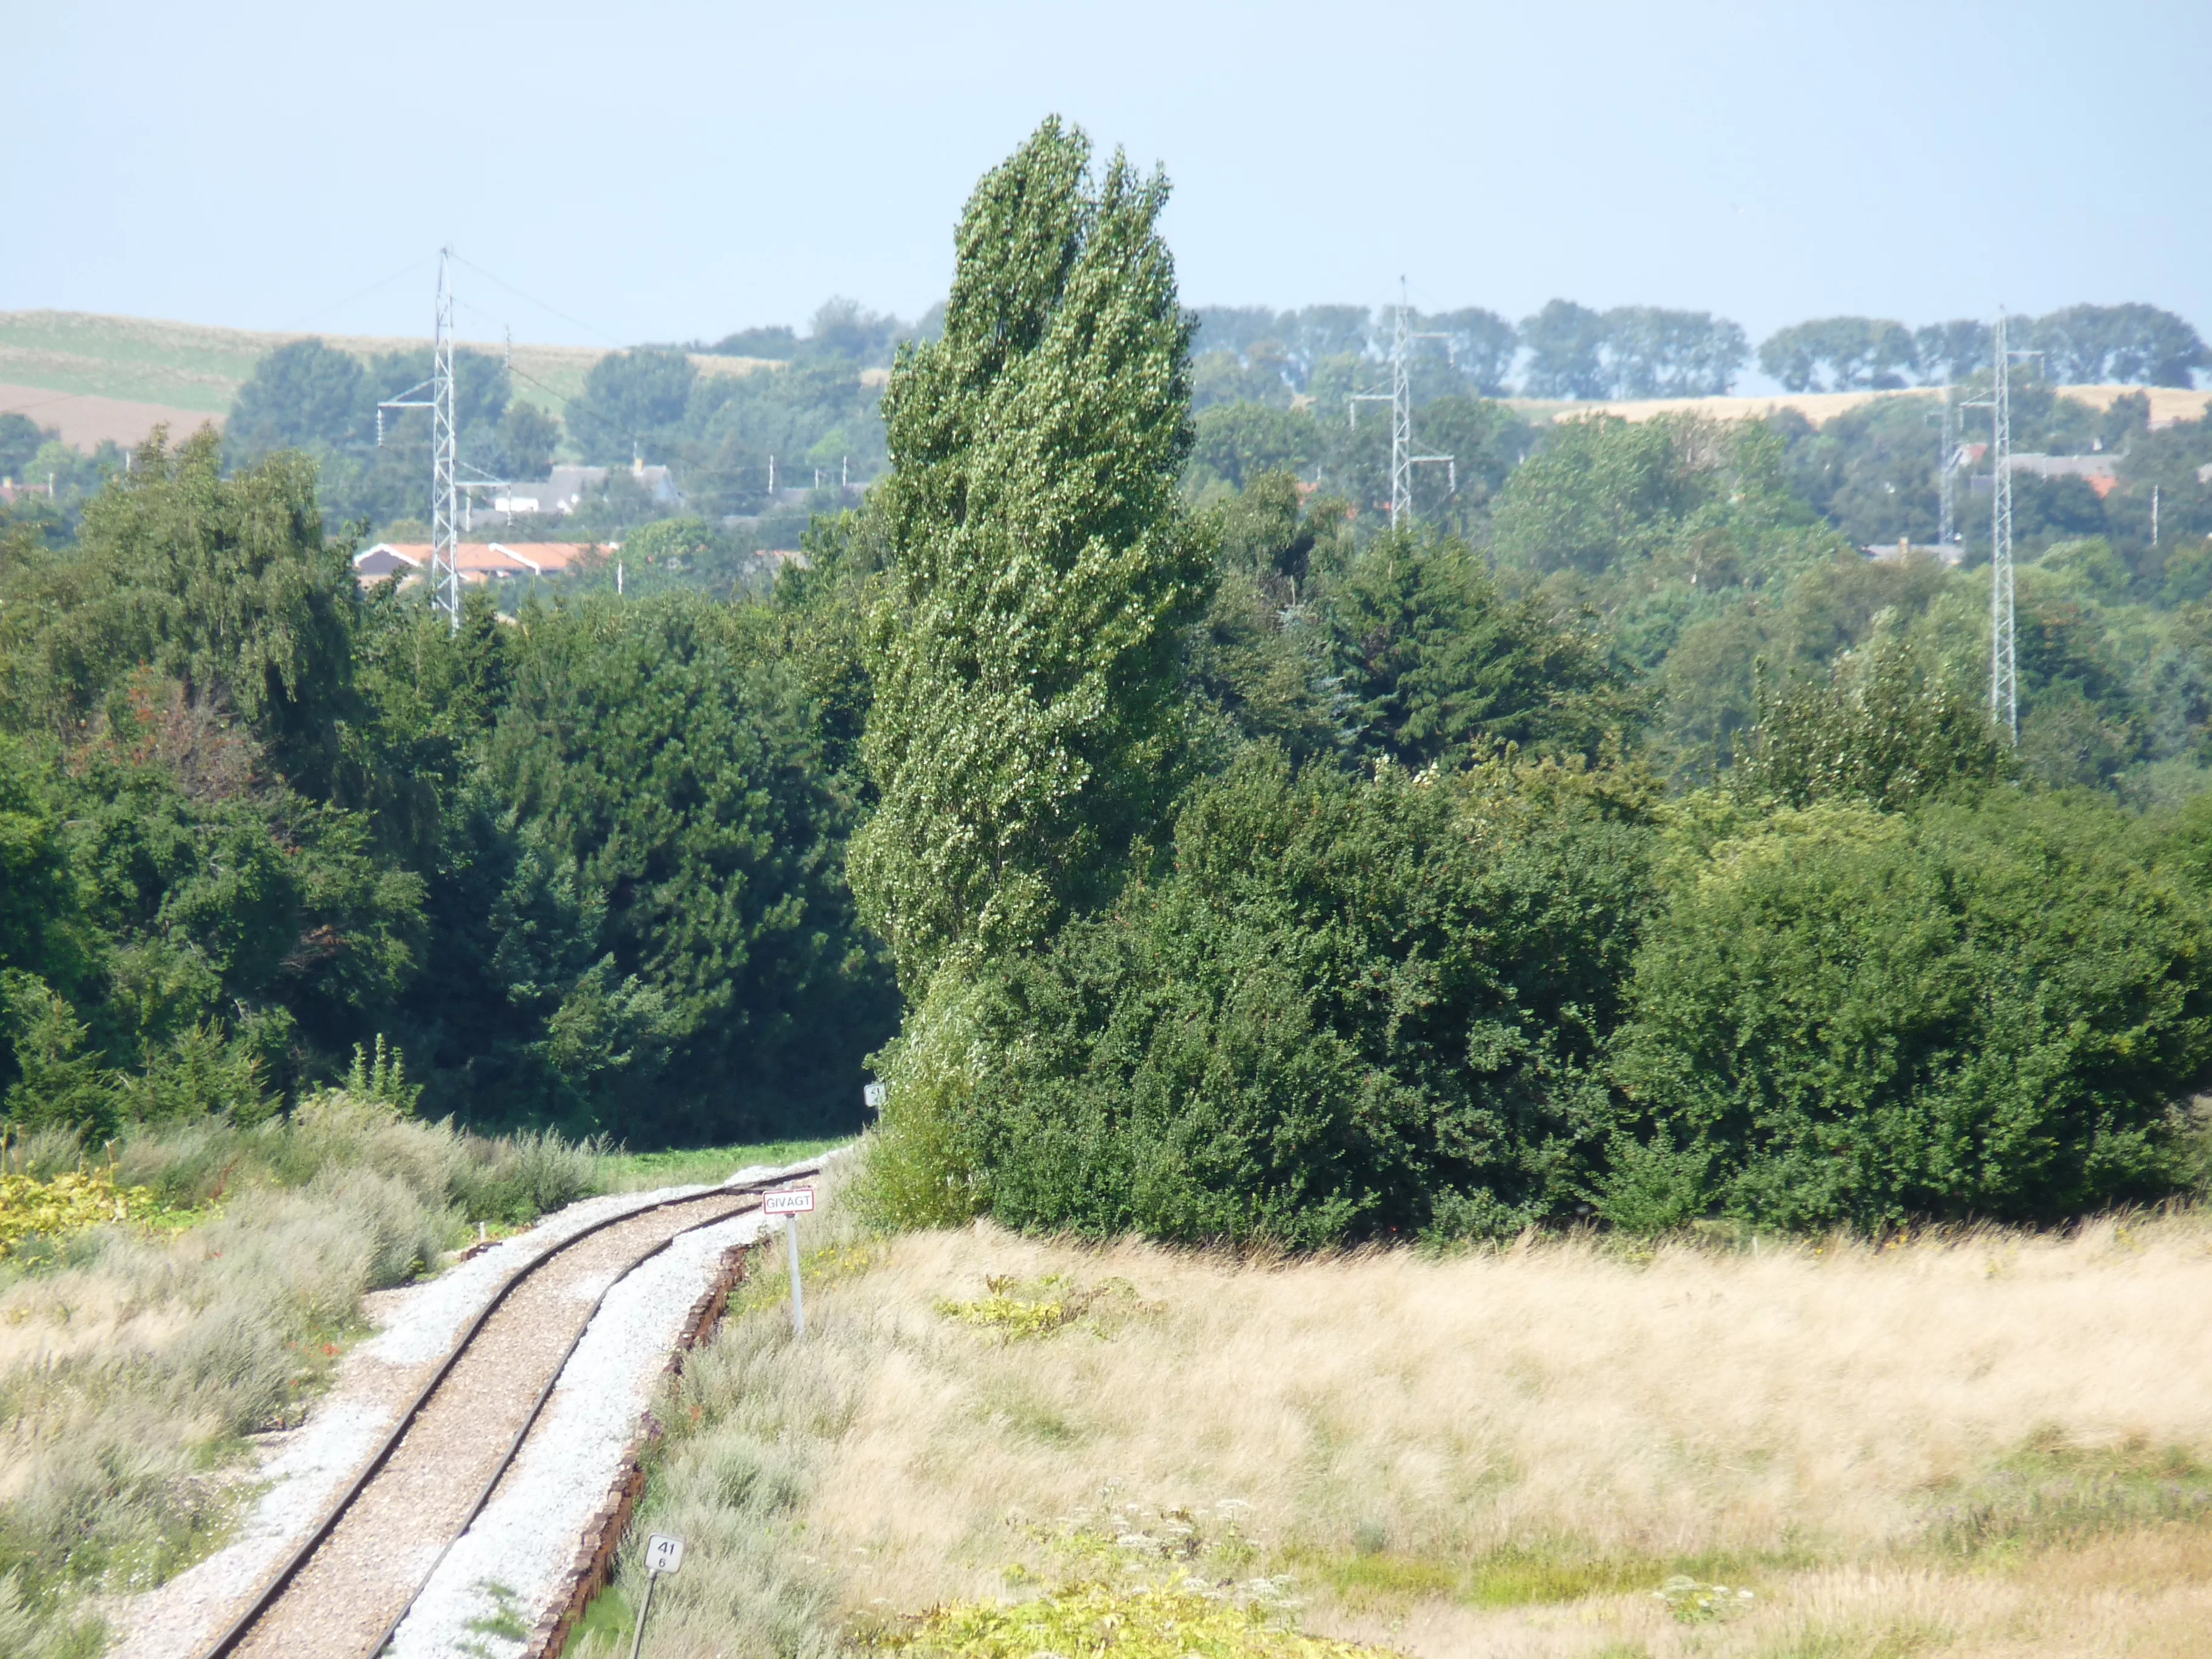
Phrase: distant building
{"type": "Point", "coordinates": [2100, 472]}
{"type": "Point", "coordinates": [479, 562]}
{"type": "Point", "coordinates": [566, 488]}
{"type": "Point", "coordinates": [2064, 466]}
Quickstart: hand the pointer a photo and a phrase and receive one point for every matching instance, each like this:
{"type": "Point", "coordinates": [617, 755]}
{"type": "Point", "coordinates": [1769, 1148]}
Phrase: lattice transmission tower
{"type": "Point", "coordinates": [436, 395]}
{"type": "Point", "coordinates": [2004, 654]}
{"type": "Point", "coordinates": [1400, 396]}
{"type": "Point", "coordinates": [2004, 662]}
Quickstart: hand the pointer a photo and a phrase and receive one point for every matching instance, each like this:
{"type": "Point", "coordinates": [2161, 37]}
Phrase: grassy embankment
{"type": "Point", "coordinates": [139, 1353]}
{"type": "Point", "coordinates": [1980, 1443]}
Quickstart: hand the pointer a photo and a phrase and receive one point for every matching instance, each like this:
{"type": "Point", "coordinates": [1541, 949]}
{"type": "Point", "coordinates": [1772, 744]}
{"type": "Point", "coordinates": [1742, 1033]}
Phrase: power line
{"type": "Point", "coordinates": [412, 266]}
{"type": "Point", "coordinates": [554, 310]}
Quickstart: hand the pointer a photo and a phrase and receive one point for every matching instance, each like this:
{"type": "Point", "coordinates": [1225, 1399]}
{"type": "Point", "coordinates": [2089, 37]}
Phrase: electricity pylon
{"type": "Point", "coordinates": [2005, 664]}
{"type": "Point", "coordinates": [1400, 396]}
{"type": "Point", "coordinates": [445, 459]}
{"type": "Point", "coordinates": [2004, 654]}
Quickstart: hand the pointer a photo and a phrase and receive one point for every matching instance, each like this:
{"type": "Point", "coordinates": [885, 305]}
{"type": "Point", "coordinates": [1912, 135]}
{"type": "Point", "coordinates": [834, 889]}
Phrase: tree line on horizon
{"type": "Point", "coordinates": [1571, 351]}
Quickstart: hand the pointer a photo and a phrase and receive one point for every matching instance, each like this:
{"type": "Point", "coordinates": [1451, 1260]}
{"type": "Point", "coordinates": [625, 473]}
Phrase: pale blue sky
{"type": "Point", "coordinates": [662, 172]}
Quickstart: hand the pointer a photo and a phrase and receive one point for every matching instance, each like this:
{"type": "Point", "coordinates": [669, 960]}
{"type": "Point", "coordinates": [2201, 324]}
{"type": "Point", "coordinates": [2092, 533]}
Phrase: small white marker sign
{"type": "Point", "coordinates": [871, 1095]}
{"type": "Point", "coordinates": [663, 1553]}
{"type": "Point", "coordinates": [794, 1200]}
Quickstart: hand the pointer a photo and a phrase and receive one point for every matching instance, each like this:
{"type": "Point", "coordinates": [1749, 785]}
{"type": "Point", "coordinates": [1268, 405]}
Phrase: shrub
{"type": "Point", "coordinates": [1354, 1007]}
{"type": "Point", "coordinates": [1845, 1018]}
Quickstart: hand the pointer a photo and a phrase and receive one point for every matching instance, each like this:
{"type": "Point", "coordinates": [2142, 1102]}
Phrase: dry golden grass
{"type": "Point", "coordinates": [1993, 1445]}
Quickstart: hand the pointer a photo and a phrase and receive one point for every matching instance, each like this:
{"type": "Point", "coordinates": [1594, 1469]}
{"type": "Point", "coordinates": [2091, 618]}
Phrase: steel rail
{"type": "Point", "coordinates": [537, 1409]}
{"type": "Point", "coordinates": [242, 1626]}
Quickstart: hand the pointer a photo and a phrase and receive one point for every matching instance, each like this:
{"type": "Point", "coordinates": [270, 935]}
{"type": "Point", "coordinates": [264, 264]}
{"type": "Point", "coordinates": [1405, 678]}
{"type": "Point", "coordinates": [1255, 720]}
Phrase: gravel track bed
{"type": "Point", "coordinates": [512, 1568]}
{"type": "Point", "coordinates": [364, 1574]}
{"type": "Point", "coordinates": [303, 1472]}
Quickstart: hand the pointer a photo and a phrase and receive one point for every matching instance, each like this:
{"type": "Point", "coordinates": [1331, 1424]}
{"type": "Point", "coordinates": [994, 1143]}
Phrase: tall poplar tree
{"type": "Point", "coordinates": [1028, 720]}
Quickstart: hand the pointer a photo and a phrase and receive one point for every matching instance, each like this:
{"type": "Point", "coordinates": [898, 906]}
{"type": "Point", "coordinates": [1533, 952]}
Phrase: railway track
{"type": "Point", "coordinates": [343, 1592]}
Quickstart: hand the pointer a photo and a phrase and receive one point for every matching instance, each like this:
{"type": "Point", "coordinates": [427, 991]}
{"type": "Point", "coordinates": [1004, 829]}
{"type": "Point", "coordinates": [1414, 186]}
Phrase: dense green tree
{"type": "Point", "coordinates": [223, 584]}
{"type": "Point", "coordinates": [37, 899]}
{"type": "Point", "coordinates": [1434, 662]}
{"type": "Point", "coordinates": [777, 343]}
{"type": "Point", "coordinates": [1839, 354]}
{"type": "Point", "coordinates": [1650, 352]}
{"type": "Point", "coordinates": [1027, 715]}
{"type": "Point", "coordinates": [1221, 378]}
{"type": "Point", "coordinates": [633, 403]}
{"type": "Point", "coordinates": [846, 330]}
{"type": "Point", "coordinates": [2087, 345]}
{"type": "Point", "coordinates": [1238, 442]}
{"type": "Point", "coordinates": [21, 439]}
{"type": "Point", "coordinates": [1887, 731]}
{"type": "Point", "coordinates": [672, 921]}
{"type": "Point", "coordinates": [819, 413]}
{"type": "Point", "coordinates": [1481, 345]}
{"type": "Point", "coordinates": [527, 439]}
{"type": "Point", "coordinates": [1564, 343]}
{"type": "Point", "coordinates": [1261, 662]}
{"type": "Point", "coordinates": [1846, 1017]}
{"type": "Point", "coordinates": [1358, 1007]}
{"type": "Point", "coordinates": [301, 395]}
{"type": "Point", "coordinates": [1870, 472]}
{"type": "Point", "coordinates": [1952, 352]}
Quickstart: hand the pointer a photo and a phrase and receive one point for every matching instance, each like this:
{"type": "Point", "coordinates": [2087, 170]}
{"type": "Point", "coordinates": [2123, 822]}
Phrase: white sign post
{"type": "Point", "coordinates": [871, 1095]}
{"type": "Point", "coordinates": [662, 1554]}
{"type": "Point", "coordinates": [791, 1203]}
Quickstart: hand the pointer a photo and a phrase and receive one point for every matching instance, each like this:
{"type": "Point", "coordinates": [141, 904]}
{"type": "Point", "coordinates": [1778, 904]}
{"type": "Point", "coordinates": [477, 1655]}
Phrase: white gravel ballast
{"type": "Point", "coordinates": [513, 1565]}
{"type": "Point", "coordinates": [305, 1471]}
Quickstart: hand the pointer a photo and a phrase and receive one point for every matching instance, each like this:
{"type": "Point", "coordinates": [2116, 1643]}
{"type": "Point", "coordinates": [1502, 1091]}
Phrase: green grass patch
{"type": "Point", "coordinates": [2048, 1493]}
{"type": "Point", "coordinates": [608, 1623]}
{"type": "Point", "coordinates": [1525, 1576]}
{"type": "Point", "coordinates": [1170, 1621]}
{"type": "Point", "coordinates": [630, 1172]}
{"type": "Point", "coordinates": [503, 1619]}
{"type": "Point", "coordinates": [1860, 1642]}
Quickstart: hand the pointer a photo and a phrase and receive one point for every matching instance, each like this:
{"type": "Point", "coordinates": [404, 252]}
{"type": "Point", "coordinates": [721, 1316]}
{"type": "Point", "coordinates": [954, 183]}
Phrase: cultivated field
{"type": "Point", "coordinates": [1987, 1444]}
{"type": "Point", "coordinates": [117, 377]}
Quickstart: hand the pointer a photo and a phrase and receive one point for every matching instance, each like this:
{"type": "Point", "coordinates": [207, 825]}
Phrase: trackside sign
{"type": "Point", "coordinates": [795, 1200]}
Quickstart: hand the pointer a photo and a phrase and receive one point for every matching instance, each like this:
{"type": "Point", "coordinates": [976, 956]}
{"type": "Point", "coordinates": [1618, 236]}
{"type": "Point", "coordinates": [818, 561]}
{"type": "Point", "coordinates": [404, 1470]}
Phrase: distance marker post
{"type": "Point", "coordinates": [662, 1554]}
{"type": "Point", "coordinates": [791, 1203]}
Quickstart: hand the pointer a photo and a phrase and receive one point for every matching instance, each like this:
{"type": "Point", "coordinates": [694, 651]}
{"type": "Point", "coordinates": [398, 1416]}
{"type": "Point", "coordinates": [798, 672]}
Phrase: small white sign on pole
{"type": "Point", "coordinates": [871, 1096]}
{"type": "Point", "coordinates": [662, 1554]}
{"type": "Point", "coordinates": [791, 1203]}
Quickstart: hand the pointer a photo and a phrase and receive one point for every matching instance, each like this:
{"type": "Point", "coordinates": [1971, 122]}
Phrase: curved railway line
{"type": "Point", "coordinates": [343, 1592]}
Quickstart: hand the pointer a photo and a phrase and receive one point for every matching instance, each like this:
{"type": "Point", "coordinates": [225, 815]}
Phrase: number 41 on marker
{"type": "Point", "coordinates": [662, 1554]}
